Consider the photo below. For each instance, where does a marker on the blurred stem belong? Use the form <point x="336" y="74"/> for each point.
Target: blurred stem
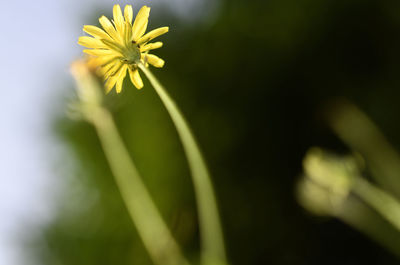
<point x="381" y="201"/>
<point x="213" y="249"/>
<point x="155" y="234"/>
<point x="363" y="136"/>
<point x="360" y="216"/>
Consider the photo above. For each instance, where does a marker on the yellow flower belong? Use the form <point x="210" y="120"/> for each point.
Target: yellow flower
<point x="121" y="46"/>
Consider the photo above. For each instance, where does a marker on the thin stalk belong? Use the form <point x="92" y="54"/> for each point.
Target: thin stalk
<point x="363" y="218"/>
<point x="154" y="232"/>
<point x="357" y="130"/>
<point x="381" y="201"/>
<point x="213" y="249"/>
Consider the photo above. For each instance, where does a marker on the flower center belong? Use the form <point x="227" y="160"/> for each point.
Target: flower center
<point x="132" y="54"/>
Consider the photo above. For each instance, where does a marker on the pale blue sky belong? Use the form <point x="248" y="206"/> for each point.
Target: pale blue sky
<point x="38" y="43"/>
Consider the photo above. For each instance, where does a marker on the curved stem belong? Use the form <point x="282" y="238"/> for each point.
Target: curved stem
<point x="213" y="249"/>
<point x="381" y="201"/>
<point x="154" y="232"/>
<point x="358" y="131"/>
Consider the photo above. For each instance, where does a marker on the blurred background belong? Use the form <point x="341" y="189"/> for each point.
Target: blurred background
<point x="253" y="79"/>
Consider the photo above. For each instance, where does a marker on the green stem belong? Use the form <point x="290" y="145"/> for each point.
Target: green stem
<point x="381" y="201"/>
<point x="357" y="130"/>
<point x="155" y="234"/>
<point x="363" y="218"/>
<point x="213" y="249"/>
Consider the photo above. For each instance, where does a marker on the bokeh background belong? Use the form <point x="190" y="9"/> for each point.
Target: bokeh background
<point x="252" y="77"/>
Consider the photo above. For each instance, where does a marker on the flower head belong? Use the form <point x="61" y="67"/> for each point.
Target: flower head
<point x="121" y="46"/>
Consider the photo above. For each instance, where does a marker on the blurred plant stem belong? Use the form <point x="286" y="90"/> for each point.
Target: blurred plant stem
<point x="361" y="217"/>
<point x="353" y="210"/>
<point x="333" y="185"/>
<point x="378" y="199"/>
<point x="380" y="202"/>
<point x="363" y="136"/>
<point x="213" y="248"/>
<point x="155" y="234"/>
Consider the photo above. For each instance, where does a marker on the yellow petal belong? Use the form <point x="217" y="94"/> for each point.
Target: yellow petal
<point x="128" y="14"/>
<point x="110" y="83"/>
<point x="152" y="34"/>
<point x="91" y="42"/>
<point x="151" y="46"/>
<point x="128" y="33"/>
<point x="108" y="71"/>
<point x="105" y="59"/>
<point x="109" y="28"/>
<point x="105" y="68"/>
<point x="99" y="52"/>
<point x="121" y="77"/>
<point x="112" y="80"/>
<point x="113" y="45"/>
<point x="135" y="78"/>
<point x="118" y="18"/>
<point x="154" y="60"/>
<point x="140" y="24"/>
<point x="96" y="32"/>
